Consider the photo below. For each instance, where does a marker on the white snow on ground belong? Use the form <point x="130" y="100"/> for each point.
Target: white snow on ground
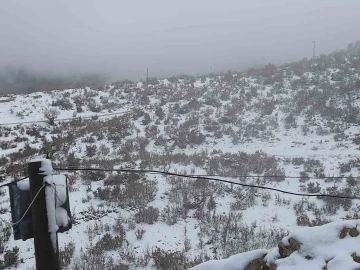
<point x="321" y="243"/>
<point x="271" y="210"/>
<point x="28" y="108"/>
<point x="235" y="262"/>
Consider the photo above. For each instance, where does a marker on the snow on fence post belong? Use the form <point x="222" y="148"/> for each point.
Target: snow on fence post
<point x="43" y="215"/>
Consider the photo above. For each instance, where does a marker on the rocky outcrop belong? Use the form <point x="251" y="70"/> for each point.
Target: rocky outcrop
<point x="286" y="250"/>
<point x="353" y="232"/>
<point x="338" y="241"/>
<point x="256" y="264"/>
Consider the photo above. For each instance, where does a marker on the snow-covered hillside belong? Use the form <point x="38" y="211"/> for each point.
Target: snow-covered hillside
<point x="299" y="119"/>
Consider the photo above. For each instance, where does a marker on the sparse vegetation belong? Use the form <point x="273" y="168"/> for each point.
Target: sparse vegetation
<point x="254" y="127"/>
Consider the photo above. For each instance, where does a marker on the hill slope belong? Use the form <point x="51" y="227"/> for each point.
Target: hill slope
<point x="300" y="119"/>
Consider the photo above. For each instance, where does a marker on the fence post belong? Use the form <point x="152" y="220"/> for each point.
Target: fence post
<point x="46" y="248"/>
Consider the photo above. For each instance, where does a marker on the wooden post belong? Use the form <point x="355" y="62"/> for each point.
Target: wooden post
<point x="46" y="255"/>
<point x="314" y="50"/>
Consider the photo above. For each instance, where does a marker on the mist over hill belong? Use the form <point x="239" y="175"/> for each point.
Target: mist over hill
<point x="17" y="80"/>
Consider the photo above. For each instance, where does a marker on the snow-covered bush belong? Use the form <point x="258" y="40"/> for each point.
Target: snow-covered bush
<point x="139" y="233"/>
<point x="109" y="242"/>
<point x="63" y="103"/>
<point x="313" y="187"/>
<point x="165" y="260"/>
<point x="11" y="259"/>
<point x="89" y="176"/>
<point x="51" y="114"/>
<point x="148" y="215"/>
<point x="171" y="214"/>
<point x="91" y="150"/>
<point x="5" y="233"/>
<point x="66" y="254"/>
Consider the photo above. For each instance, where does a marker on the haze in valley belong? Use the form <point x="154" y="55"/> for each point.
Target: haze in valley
<point x="124" y="38"/>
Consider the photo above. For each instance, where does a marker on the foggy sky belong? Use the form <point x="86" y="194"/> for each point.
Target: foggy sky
<point x="123" y="38"/>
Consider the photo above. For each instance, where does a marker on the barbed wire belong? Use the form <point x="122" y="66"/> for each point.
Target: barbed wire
<point x="218" y="175"/>
<point x="197" y="175"/>
<point x="206" y="178"/>
<point x="12" y="182"/>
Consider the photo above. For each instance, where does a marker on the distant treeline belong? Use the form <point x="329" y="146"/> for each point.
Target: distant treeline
<point x="15" y="80"/>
